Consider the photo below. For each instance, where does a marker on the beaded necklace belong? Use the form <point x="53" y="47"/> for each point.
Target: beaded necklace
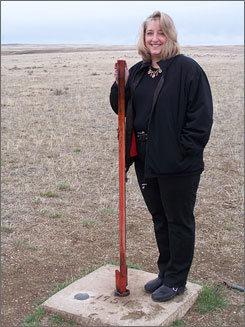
<point x="153" y="72"/>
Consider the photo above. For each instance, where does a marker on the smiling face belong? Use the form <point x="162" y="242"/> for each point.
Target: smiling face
<point x="154" y="40"/>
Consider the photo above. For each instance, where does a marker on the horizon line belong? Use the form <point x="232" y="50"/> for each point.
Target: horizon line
<point x="111" y="45"/>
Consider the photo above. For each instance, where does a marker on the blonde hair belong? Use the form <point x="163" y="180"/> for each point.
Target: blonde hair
<point x="171" y="47"/>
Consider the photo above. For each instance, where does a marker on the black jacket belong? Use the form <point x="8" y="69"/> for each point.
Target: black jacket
<point x="181" y="117"/>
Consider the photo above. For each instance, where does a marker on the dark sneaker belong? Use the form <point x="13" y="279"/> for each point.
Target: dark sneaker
<point x="164" y="293"/>
<point x="153" y="285"/>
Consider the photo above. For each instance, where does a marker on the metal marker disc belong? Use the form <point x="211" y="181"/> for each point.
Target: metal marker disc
<point x="81" y="296"/>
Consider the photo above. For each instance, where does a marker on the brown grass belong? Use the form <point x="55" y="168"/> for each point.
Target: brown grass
<point x="58" y="129"/>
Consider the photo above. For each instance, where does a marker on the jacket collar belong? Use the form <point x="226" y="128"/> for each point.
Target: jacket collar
<point x="144" y="65"/>
<point x="164" y="64"/>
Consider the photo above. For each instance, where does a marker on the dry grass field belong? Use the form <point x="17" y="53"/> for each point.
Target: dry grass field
<point x="60" y="177"/>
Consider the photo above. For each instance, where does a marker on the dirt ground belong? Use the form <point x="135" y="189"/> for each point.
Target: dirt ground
<point x="60" y="177"/>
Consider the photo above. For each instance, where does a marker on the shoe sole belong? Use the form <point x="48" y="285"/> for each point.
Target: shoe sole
<point x="167" y="299"/>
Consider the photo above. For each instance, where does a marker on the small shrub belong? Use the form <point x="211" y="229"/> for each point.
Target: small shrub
<point x="15" y="68"/>
<point x="60" y="92"/>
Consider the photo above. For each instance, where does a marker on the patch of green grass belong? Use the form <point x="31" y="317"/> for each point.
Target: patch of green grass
<point x="33" y="319"/>
<point x="107" y="211"/>
<point x="210" y="299"/>
<point x="63" y="187"/>
<point x="38" y="201"/>
<point x="6" y="229"/>
<point x="178" y="323"/>
<point x="44" y="212"/>
<point x="224" y="242"/>
<point x="26" y="245"/>
<point x="60" y="321"/>
<point x="8" y="215"/>
<point x="77" y="150"/>
<point x="55" y="215"/>
<point x="87" y="222"/>
<point x="53" y="155"/>
<point x="133" y="266"/>
<point x="230" y="228"/>
<point x="49" y="194"/>
<point x="129" y="264"/>
<point x="13" y="161"/>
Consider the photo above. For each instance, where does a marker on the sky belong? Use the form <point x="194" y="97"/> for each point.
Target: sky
<point x="119" y="22"/>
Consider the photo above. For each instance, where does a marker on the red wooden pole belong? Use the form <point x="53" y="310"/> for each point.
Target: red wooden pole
<point x="121" y="276"/>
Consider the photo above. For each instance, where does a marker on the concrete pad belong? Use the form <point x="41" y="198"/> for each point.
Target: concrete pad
<point x="91" y="301"/>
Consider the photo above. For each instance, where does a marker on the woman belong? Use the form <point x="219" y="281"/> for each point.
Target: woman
<point x="169" y="110"/>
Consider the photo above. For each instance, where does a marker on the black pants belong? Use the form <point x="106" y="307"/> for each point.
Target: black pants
<point x="171" y="201"/>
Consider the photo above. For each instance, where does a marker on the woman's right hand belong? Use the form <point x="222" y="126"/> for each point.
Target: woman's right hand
<point x="116" y="72"/>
